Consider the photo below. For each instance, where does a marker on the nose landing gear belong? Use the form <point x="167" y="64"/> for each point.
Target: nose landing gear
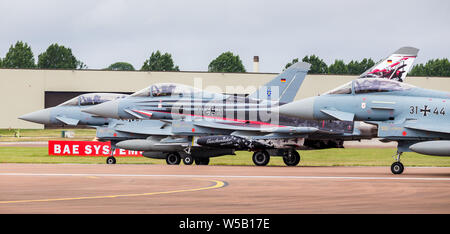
<point x="397" y="167"/>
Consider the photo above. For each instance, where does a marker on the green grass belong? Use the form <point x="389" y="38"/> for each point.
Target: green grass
<point x="327" y="157"/>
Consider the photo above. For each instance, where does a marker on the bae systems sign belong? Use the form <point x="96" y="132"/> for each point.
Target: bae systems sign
<point x="87" y="148"/>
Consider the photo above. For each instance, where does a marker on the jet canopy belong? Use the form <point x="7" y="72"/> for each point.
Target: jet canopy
<point x="370" y="85"/>
<point x="168" y="89"/>
<point x="92" y="99"/>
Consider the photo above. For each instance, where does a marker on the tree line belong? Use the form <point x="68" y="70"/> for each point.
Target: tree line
<point x="60" y="57"/>
<point x="434" y="67"/>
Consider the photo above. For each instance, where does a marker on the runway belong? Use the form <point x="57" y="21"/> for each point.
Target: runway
<point x="163" y="189"/>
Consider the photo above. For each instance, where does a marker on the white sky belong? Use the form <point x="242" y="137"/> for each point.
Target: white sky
<point x="102" y="32"/>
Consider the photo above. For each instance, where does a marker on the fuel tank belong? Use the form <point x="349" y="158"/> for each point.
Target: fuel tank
<point x="436" y="148"/>
<point x="230" y="142"/>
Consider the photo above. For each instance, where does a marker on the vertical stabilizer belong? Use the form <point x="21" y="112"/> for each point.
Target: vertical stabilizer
<point x="284" y="87"/>
<point x="394" y="67"/>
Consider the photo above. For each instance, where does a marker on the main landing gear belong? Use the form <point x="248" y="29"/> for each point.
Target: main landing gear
<point x="175" y="159"/>
<point x="290" y="158"/>
<point x="261" y="158"/>
<point x="397" y="167"/>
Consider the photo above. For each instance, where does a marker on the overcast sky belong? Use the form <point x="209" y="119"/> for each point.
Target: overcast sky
<point x="101" y="32"/>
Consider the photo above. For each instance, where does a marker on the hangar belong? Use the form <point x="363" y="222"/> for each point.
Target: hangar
<point x="26" y="90"/>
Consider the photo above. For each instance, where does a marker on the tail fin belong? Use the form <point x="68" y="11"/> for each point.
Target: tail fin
<point x="395" y="67"/>
<point x="284" y="87"/>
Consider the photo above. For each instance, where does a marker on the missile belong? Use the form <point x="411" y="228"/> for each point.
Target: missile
<point x="148" y="145"/>
<point x="436" y="148"/>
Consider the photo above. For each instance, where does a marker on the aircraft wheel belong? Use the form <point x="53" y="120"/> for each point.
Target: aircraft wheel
<point x="261" y="158"/>
<point x="293" y="159"/>
<point x="202" y="161"/>
<point x="111" y="160"/>
<point x="173" y="159"/>
<point x="397" y="168"/>
<point x="188" y="160"/>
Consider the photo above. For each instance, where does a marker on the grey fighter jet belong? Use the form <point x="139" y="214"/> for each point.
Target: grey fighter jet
<point x="197" y="125"/>
<point x="174" y="140"/>
<point x="69" y="113"/>
<point x="217" y="124"/>
<point x="418" y="119"/>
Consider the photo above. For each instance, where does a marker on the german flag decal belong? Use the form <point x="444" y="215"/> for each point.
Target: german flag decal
<point x="389" y="61"/>
<point x="283" y="80"/>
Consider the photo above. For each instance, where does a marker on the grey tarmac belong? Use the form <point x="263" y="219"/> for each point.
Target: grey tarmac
<point x="165" y="189"/>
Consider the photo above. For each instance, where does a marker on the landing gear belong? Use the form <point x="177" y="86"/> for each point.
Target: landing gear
<point x="397" y="167"/>
<point x="173" y="159"/>
<point x="261" y="158"/>
<point x="188" y="160"/>
<point x="292" y="158"/>
<point x="201" y="161"/>
<point x="110" y="160"/>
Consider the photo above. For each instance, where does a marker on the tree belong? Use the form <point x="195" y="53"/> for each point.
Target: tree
<point x="120" y="66"/>
<point x="366" y="64"/>
<point x="357" y="68"/>
<point x="353" y="68"/>
<point x="338" y="67"/>
<point x="434" y="67"/>
<point x="59" y="57"/>
<point x="19" y="56"/>
<point x="159" y="62"/>
<point x="291" y="63"/>
<point x="318" y="66"/>
<point x="226" y="62"/>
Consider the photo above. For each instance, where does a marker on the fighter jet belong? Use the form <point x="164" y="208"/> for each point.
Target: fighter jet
<point x="162" y="134"/>
<point x="414" y="117"/>
<point x="69" y="112"/>
<point x="196" y="125"/>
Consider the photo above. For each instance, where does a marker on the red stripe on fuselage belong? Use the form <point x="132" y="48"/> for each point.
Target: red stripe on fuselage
<point x="213" y="117"/>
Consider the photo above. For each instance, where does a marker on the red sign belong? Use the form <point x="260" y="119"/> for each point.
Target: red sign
<point x="87" y="148"/>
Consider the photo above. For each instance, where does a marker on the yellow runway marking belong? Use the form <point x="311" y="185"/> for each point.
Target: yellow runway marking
<point x="218" y="184"/>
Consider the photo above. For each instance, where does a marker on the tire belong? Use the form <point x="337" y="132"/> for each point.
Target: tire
<point x="188" y="160"/>
<point x="261" y="158"/>
<point x="397" y="168"/>
<point x="110" y="160"/>
<point x="292" y="160"/>
<point x="205" y="161"/>
<point x="201" y="161"/>
<point x="173" y="159"/>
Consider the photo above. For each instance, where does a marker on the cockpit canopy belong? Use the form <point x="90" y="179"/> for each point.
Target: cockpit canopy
<point x="168" y="89"/>
<point x="92" y="99"/>
<point x="370" y="85"/>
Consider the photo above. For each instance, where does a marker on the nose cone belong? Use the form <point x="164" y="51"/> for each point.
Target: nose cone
<point x="107" y="109"/>
<point x="303" y="109"/>
<point x="40" y="116"/>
